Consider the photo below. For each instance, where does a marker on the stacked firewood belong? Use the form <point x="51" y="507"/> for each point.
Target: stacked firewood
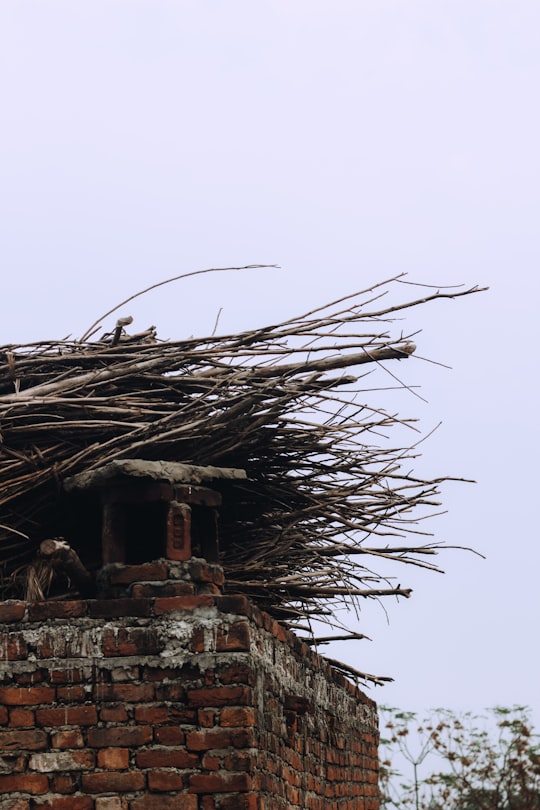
<point x="299" y="405"/>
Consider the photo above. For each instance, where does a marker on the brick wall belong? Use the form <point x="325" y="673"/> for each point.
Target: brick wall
<point x="174" y="699"/>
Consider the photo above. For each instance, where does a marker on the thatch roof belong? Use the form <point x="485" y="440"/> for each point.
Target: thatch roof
<point x="327" y="496"/>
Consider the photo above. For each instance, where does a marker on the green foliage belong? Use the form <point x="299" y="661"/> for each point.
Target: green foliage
<point x="460" y="761"/>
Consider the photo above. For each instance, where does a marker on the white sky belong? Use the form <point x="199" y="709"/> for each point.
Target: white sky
<point x="346" y="142"/>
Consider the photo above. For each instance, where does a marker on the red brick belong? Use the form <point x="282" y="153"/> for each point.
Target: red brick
<point x="28" y="678"/>
<point x="62" y="761"/>
<point x="4" y="715"/>
<point x="133" y="641"/>
<point x="211" y="762"/>
<point x="210" y="587"/>
<point x="215" y="738"/>
<point x="267" y="622"/>
<point x="19" y="696"/>
<point x="297" y="704"/>
<point x="206" y="717"/>
<point x="242" y="802"/>
<point x="235" y="638"/>
<point x="39" y="611"/>
<point x="71" y="738"/>
<point x="34" y="783"/>
<point x="185" y="717"/>
<point x="13" y="647"/>
<point x="148" y="572"/>
<point x="71" y="694"/>
<point x="219" y="782"/>
<point x="67" y="803"/>
<point x="168" y="604"/>
<point x="113" y="714"/>
<point x="52" y="644"/>
<point x="220" y="696"/>
<point x="170" y="735"/>
<point x="281" y="633"/>
<point x="149" y="589"/>
<point x="237" y="673"/>
<point x="177" y="802"/>
<point x="30" y="740"/>
<point x="113" y="782"/>
<point x="116" y="759"/>
<point x="21" y="718"/>
<point x="165" y="781"/>
<point x="12" y="611"/>
<point x="125" y="692"/>
<point x="197" y="643"/>
<point x="242" y="761"/>
<point x="166" y="758"/>
<point x="151" y="714"/>
<point x="114" y="608"/>
<point x="203" y="572"/>
<point x="63" y="783"/>
<point x="119" y="736"/>
<point x="67" y="716"/>
<point x="171" y="691"/>
<point x="67" y="676"/>
<point x="237" y="716"/>
<point x="236" y="604"/>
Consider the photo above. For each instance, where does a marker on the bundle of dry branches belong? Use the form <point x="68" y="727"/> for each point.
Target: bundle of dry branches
<point x="326" y="497"/>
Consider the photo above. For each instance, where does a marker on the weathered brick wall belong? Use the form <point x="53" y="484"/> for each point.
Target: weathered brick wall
<point x="181" y="702"/>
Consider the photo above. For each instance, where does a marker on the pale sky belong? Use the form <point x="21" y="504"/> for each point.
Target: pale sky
<point x="346" y="142"/>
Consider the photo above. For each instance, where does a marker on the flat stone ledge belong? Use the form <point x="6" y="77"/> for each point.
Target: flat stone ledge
<point x="169" y="471"/>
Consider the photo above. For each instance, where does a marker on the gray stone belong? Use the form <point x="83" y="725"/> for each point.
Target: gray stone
<point x="170" y="471"/>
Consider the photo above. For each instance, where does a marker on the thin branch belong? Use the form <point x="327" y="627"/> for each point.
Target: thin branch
<point x="146" y="290"/>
